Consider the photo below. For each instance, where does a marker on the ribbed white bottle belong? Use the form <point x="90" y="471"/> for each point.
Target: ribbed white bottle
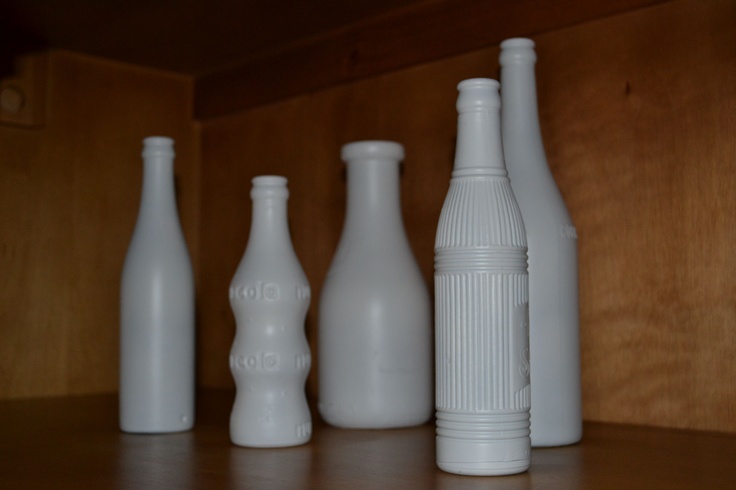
<point x="556" y="413"/>
<point x="375" y="320"/>
<point x="481" y="302"/>
<point x="270" y="357"/>
<point x="157" y="307"/>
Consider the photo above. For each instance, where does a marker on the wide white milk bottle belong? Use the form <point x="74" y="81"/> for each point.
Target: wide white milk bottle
<point x="270" y="357"/>
<point x="481" y="302"/>
<point x="375" y="318"/>
<point x="157" y="307"/>
<point x="556" y="413"/>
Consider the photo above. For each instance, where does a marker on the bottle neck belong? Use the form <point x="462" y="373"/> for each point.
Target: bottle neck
<point x="373" y="194"/>
<point x="269" y="226"/>
<point x="158" y="199"/>
<point x="519" y="106"/>
<point x="478" y="150"/>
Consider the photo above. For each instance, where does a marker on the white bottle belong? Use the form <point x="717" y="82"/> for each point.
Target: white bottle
<point x="375" y="324"/>
<point x="270" y="357"/>
<point x="556" y="413"/>
<point x="481" y="302"/>
<point x="157" y="307"/>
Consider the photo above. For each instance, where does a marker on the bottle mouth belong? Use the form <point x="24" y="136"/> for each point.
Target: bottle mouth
<point x="269" y="186"/>
<point x="158" y="145"/>
<point x="373" y="150"/>
<point x="517" y="50"/>
<point x="517" y="42"/>
<point x="478" y="95"/>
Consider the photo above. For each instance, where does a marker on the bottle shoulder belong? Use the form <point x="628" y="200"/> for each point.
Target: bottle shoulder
<point x="542" y="207"/>
<point x="273" y="264"/>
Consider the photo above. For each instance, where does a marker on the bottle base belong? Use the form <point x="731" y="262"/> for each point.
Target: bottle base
<point x="155" y="429"/>
<point x="482" y="468"/>
<point x="567" y="440"/>
<point x="271" y="435"/>
<point x="143" y="422"/>
<point x="469" y="457"/>
<point x="483" y="443"/>
<point x="268" y="444"/>
<point x="347" y="417"/>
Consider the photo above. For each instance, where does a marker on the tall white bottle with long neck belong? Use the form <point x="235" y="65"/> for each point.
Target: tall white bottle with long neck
<point x="556" y="413"/>
<point x="270" y="357"/>
<point x="375" y="319"/>
<point x="481" y="302"/>
<point x="157" y="307"/>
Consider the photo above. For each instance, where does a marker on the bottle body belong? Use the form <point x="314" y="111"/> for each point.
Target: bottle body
<point x="481" y="303"/>
<point x="375" y="333"/>
<point x="157" y="308"/>
<point x="270" y="357"/>
<point x="556" y="412"/>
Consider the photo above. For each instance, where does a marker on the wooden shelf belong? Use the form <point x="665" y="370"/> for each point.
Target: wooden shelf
<point x="74" y="442"/>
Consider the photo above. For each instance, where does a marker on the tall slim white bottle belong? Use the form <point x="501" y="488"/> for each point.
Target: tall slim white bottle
<point x="556" y="413"/>
<point x="481" y="302"/>
<point x="375" y="319"/>
<point x="270" y="357"/>
<point x="157" y="307"/>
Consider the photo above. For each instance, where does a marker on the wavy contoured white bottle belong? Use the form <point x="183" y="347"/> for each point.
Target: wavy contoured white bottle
<point x="270" y="357"/>
<point x="556" y="412"/>
<point x="481" y="302"/>
<point x="375" y="319"/>
<point x="157" y="307"/>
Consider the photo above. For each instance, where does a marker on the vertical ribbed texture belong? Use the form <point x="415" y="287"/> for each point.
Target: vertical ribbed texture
<point x="479" y="212"/>
<point x="477" y="347"/>
<point x="481" y="303"/>
<point x="481" y="300"/>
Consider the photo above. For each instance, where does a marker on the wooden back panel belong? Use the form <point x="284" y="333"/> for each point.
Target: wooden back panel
<point x="637" y="115"/>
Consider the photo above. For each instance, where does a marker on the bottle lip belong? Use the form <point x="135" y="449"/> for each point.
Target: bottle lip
<point x="269" y="181"/>
<point x="158" y="146"/>
<point x="517" y="42"/>
<point x="517" y="50"/>
<point x="372" y="149"/>
<point x="478" y="95"/>
<point x="478" y="83"/>
<point x="269" y="186"/>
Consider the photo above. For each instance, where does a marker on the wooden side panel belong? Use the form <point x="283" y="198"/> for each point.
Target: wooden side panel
<point x="69" y="195"/>
<point x="638" y="117"/>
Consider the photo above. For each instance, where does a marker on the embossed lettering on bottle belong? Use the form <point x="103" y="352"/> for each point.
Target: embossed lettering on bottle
<point x="270" y="357"/>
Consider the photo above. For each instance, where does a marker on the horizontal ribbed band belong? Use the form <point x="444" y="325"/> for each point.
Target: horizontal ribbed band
<point x="487" y="259"/>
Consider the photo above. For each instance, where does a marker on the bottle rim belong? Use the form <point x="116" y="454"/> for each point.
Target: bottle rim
<point x="372" y="149"/>
<point x="517" y="50"/>
<point x="158" y="146"/>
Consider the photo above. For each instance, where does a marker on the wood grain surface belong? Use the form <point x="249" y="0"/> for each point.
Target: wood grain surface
<point x="416" y="33"/>
<point x="69" y="194"/>
<point x="75" y="443"/>
<point x="637" y="112"/>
